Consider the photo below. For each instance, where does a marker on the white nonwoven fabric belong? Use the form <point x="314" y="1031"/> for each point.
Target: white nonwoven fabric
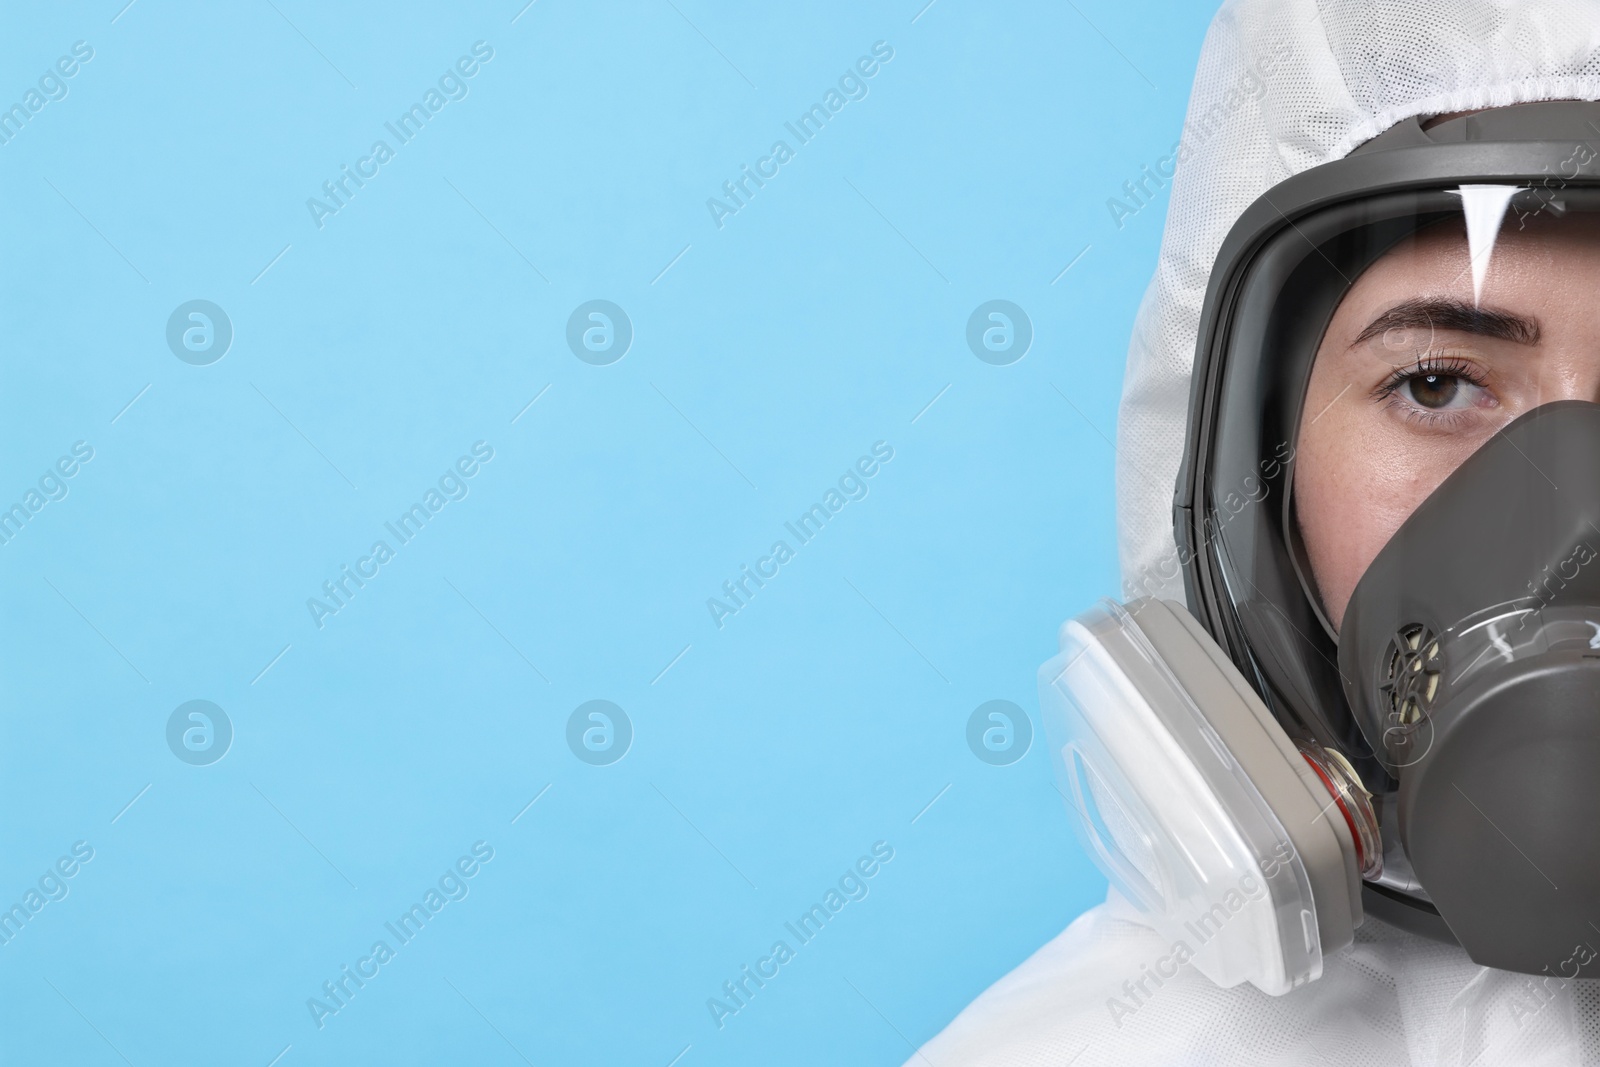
<point x="1282" y="86"/>
<point x="1389" y="999"/>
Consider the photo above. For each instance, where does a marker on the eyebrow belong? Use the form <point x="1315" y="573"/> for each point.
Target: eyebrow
<point x="1450" y="314"/>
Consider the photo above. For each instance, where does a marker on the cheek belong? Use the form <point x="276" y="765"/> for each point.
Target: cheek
<point x="1356" y="482"/>
<point x="1329" y="499"/>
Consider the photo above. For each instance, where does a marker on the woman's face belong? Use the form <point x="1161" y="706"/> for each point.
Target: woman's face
<point x="1412" y="377"/>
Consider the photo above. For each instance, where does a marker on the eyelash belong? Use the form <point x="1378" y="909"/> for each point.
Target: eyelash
<point x="1443" y="366"/>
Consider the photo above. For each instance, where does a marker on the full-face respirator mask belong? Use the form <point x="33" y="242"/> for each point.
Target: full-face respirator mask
<point x="1251" y="780"/>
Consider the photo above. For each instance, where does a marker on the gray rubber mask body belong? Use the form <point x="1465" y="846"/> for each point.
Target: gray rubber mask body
<point x="1470" y="653"/>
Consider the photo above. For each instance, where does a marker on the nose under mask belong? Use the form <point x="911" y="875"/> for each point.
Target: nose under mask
<point x="1470" y="655"/>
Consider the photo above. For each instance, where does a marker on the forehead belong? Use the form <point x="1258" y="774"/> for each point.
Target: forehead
<point x="1546" y="262"/>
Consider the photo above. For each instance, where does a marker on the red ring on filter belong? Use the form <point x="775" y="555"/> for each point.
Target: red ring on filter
<point x="1353" y="801"/>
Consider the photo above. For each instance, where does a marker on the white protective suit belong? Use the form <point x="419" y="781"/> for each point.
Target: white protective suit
<point x="1282" y="86"/>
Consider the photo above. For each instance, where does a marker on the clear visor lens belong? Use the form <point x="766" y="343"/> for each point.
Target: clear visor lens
<point x="1466" y="308"/>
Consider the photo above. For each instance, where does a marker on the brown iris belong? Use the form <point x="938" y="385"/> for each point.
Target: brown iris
<point x="1434" y="390"/>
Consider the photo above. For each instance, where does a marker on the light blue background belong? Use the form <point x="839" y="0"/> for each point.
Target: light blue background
<point x="369" y="355"/>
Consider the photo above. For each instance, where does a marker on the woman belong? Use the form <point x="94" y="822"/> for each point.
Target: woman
<point x="1345" y="791"/>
